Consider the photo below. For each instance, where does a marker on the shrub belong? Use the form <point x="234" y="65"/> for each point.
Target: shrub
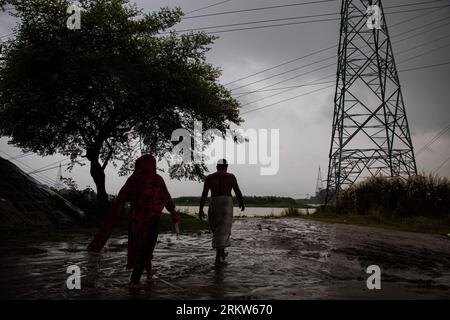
<point x="415" y="196"/>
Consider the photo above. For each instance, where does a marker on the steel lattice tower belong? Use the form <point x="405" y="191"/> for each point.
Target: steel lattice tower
<point x="319" y="182"/>
<point x="370" y="134"/>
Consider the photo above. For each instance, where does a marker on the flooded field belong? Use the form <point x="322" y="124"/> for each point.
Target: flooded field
<point x="269" y="259"/>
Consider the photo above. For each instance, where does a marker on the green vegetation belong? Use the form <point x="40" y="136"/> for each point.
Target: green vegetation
<point x="188" y="225"/>
<point x="96" y="212"/>
<point x="90" y="94"/>
<point x="411" y="224"/>
<point x="293" y="212"/>
<point x="416" y="196"/>
<point x="418" y="204"/>
<point x="251" y="201"/>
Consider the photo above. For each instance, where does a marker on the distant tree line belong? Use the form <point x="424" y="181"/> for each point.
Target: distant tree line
<point x="256" y="201"/>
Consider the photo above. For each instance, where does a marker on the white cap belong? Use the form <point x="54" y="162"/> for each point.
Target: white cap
<point x="222" y="162"/>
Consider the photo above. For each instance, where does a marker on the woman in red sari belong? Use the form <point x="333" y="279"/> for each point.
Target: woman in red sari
<point x="148" y="195"/>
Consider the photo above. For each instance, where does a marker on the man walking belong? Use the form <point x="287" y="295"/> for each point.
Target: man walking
<point x="220" y="210"/>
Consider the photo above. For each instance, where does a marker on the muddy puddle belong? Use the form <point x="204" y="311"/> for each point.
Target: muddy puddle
<point x="269" y="259"/>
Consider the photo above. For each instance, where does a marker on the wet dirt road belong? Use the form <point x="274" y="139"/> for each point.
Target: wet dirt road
<point x="269" y="259"/>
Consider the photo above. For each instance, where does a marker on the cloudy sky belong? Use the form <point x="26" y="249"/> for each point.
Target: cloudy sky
<point x="304" y="122"/>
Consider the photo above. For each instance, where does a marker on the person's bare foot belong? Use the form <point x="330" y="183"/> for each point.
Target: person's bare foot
<point x="150" y="274"/>
<point x="137" y="286"/>
<point x="224" y="255"/>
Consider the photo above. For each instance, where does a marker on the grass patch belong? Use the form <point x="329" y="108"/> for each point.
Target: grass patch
<point x="293" y="212"/>
<point x="413" y="197"/>
<point x="410" y="224"/>
<point x="416" y="204"/>
<point x="278" y="205"/>
<point x="188" y="225"/>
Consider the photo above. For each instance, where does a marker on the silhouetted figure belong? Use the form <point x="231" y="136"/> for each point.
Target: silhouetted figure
<point x="148" y="195"/>
<point x="220" y="210"/>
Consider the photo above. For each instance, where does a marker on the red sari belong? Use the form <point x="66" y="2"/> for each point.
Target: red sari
<point x="148" y="195"/>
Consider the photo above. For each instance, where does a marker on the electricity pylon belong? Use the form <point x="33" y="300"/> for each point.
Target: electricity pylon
<point x="59" y="184"/>
<point x="370" y="135"/>
<point x="319" y="182"/>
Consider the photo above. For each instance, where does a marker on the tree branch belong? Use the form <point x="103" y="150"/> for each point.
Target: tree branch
<point x="108" y="157"/>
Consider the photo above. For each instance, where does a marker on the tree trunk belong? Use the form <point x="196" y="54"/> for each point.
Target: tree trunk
<point x="98" y="174"/>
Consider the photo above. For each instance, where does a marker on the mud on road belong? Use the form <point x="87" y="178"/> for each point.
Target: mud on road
<point x="269" y="259"/>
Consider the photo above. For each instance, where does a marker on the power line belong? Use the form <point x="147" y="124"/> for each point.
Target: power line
<point x="294" y="5"/>
<point x="7" y="35"/>
<point x="46" y="166"/>
<point x="290" y="87"/>
<point x="423" y="44"/>
<point x="317" y="61"/>
<point x="298" y="96"/>
<point x="425" y="53"/>
<point x="301" y="95"/>
<point x="293" y="60"/>
<point x="426" y="25"/>
<point x="287" y="24"/>
<point x="287" y="90"/>
<point x="260" y="8"/>
<point x="23" y="155"/>
<point x="203" y="8"/>
<point x="434" y="28"/>
<point x="426" y="67"/>
<point x="413" y="18"/>
<point x="282" y="19"/>
<point x="51" y="168"/>
<point x="433" y="140"/>
<point x="329" y="65"/>
<point x="285" y="100"/>
<point x="256" y="27"/>
<point x="335" y="46"/>
<point x="264" y="21"/>
<point x="280" y="65"/>
<point x="307" y="93"/>
<point x="43" y="177"/>
<point x="407" y="50"/>
<point x="440" y="167"/>
<point x="297" y="23"/>
<point x="295" y="77"/>
<point x="271" y="7"/>
<point x="334" y="56"/>
<point x="412" y="4"/>
<point x="283" y="73"/>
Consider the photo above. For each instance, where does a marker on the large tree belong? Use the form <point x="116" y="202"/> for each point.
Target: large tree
<point x="3" y="3"/>
<point x="94" y="92"/>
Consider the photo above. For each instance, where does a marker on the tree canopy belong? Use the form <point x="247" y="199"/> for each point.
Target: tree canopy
<point x="94" y="93"/>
